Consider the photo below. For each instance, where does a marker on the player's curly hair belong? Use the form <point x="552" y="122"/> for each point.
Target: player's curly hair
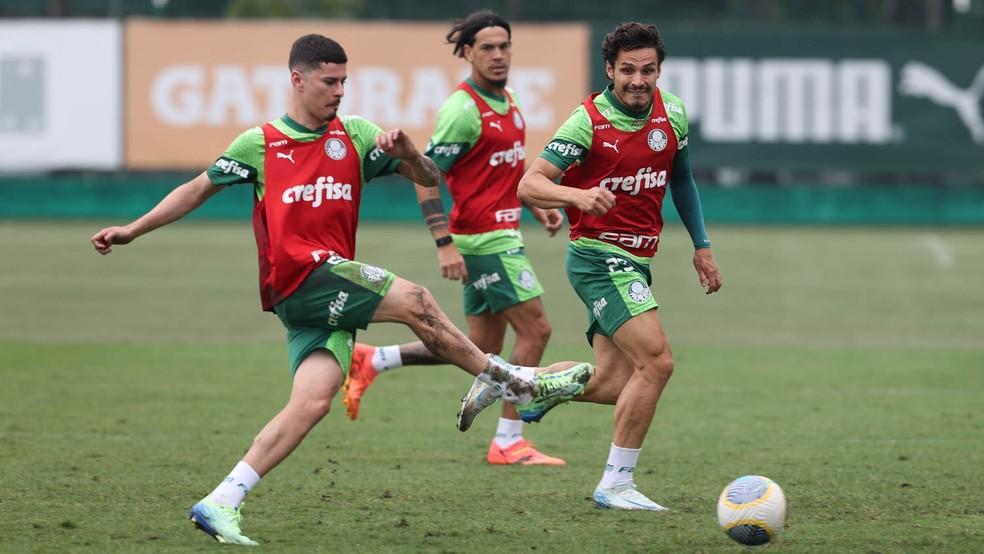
<point x="464" y="30"/>
<point x="310" y="51"/>
<point x="630" y="36"/>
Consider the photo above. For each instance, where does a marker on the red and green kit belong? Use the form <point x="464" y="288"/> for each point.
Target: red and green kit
<point x="483" y="180"/>
<point x="636" y="167"/>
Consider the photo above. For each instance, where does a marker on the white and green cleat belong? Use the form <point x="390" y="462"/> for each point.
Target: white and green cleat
<point x="553" y="389"/>
<point x="221" y="522"/>
<point x="625" y="497"/>
<point x="479" y="397"/>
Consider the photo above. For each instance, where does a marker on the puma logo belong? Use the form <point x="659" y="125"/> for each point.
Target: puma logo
<point x="496" y="124"/>
<point x="612" y="146"/>
<point x="287" y="156"/>
<point x="921" y="80"/>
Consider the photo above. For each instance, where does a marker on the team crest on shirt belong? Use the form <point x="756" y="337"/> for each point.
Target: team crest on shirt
<point x="639" y="292"/>
<point x="517" y="120"/>
<point x="657" y="140"/>
<point x="373" y="274"/>
<point x="527" y="280"/>
<point x="336" y="150"/>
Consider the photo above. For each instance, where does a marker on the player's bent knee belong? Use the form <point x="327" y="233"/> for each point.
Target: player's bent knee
<point x="313" y="409"/>
<point x="659" y="368"/>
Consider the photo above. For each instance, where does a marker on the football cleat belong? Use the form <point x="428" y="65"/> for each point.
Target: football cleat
<point x="520" y="452"/>
<point x="361" y="375"/>
<point x="553" y="389"/>
<point x="625" y="497"/>
<point x="479" y="397"/>
<point x="221" y="522"/>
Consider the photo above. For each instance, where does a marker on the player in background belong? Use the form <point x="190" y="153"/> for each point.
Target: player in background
<point x="616" y="155"/>
<point x="479" y="145"/>
<point x="307" y="170"/>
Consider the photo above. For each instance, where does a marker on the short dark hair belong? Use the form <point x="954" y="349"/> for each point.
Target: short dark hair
<point x="630" y="36"/>
<point x="464" y="30"/>
<point x="310" y="51"/>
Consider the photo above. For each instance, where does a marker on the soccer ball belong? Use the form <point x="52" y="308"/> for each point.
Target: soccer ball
<point x="752" y="510"/>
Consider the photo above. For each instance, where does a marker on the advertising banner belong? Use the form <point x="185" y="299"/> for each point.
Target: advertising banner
<point x="876" y="101"/>
<point x="60" y="104"/>
<point x="192" y="87"/>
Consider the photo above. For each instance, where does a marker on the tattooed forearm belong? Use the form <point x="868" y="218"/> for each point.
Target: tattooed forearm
<point x="433" y="210"/>
<point x="424" y="171"/>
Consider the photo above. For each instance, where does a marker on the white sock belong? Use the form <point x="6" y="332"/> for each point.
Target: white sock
<point x="386" y="357"/>
<point x="234" y="488"/>
<point x="509" y="432"/>
<point x="513" y="373"/>
<point x="620" y="467"/>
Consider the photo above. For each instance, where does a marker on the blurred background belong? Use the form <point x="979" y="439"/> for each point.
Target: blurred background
<point x="865" y="111"/>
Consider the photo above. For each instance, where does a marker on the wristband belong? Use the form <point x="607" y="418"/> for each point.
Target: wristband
<point x="444" y="241"/>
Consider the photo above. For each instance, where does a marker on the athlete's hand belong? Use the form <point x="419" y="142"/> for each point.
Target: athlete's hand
<point x="707" y="270"/>
<point x="104" y="240"/>
<point x="452" y="263"/>
<point x="595" y="201"/>
<point x="551" y="219"/>
<point x="396" y="144"/>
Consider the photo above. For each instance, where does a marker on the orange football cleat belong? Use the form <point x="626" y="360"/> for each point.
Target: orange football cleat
<point x="361" y="375"/>
<point x="521" y="452"/>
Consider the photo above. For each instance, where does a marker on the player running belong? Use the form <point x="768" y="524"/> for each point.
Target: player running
<point x="616" y="155"/>
<point x="479" y="144"/>
<point x="307" y="169"/>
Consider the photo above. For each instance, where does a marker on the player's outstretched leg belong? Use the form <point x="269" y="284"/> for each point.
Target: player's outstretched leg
<point x="555" y="384"/>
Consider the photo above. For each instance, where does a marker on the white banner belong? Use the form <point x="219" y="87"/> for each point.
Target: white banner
<point x="60" y="95"/>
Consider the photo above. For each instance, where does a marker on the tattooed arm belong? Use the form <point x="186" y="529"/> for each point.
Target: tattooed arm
<point x="450" y="260"/>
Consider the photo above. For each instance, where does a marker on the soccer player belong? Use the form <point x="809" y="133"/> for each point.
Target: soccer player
<point x="479" y="144"/>
<point x="616" y="155"/>
<point x="307" y="170"/>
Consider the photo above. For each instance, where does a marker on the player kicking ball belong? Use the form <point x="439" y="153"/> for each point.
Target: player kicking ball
<point x="307" y="170"/>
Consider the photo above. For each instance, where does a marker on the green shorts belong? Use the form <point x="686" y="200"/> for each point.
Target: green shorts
<point x="614" y="287"/>
<point x="331" y="303"/>
<point x="497" y="281"/>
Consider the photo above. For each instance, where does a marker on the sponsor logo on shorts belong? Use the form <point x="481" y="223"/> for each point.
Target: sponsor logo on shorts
<point x="599" y="306"/>
<point x="336" y="307"/>
<point x="373" y="274"/>
<point x="527" y="280"/>
<point x="639" y="292"/>
<point x="486" y="279"/>
<point x="335" y="149"/>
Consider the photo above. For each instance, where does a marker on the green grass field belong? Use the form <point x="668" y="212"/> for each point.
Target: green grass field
<point x="847" y="364"/>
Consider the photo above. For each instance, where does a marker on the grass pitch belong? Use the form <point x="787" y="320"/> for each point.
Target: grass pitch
<point x="846" y="364"/>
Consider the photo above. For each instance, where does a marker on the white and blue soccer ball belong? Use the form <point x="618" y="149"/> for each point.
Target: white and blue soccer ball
<point x="752" y="510"/>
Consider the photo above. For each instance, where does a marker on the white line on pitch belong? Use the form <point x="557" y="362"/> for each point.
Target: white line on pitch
<point x="938" y="248"/>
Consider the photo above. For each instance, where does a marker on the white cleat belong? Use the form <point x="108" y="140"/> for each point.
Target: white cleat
<point x="479" y="397"/>
<point x="625" y="497"/>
